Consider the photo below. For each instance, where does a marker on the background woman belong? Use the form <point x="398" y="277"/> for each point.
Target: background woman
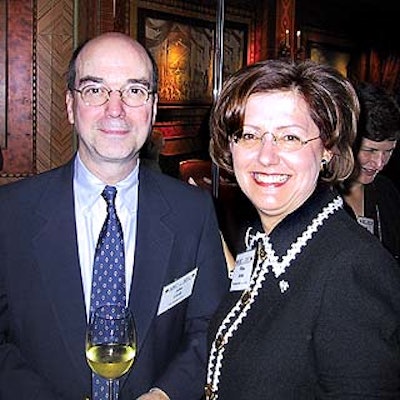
<point x="373" y="198"/>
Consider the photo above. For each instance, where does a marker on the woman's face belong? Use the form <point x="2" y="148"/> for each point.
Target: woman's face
<point x="372" y="157"/>
<point x="277" y="181"/>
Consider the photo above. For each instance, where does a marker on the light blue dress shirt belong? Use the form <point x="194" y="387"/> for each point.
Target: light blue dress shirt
<point x="90" y="213"/>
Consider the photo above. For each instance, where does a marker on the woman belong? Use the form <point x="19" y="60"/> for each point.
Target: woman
<point x="371" y="197"/>
<point x="314" y="308"/>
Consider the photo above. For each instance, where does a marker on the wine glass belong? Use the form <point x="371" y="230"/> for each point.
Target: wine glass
<point x="110" y="343"/>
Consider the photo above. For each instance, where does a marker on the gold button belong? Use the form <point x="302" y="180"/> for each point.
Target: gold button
<point x="219" y="342"/>
<point x="209" y="392"/>
<point x="262" y="254"/>
<point x="245" y="297"/>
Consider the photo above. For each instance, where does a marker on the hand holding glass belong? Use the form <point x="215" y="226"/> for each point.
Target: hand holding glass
<point x="110" y="343"/>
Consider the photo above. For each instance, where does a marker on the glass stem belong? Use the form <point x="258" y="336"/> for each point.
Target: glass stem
<point x="110" y="389"/>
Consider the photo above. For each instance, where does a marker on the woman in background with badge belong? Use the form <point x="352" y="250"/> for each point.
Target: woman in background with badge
<point x="314" y="308"/>
<point x="372" y="197"/>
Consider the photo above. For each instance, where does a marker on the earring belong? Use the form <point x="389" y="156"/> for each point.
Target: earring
<point x="324" y="165"/>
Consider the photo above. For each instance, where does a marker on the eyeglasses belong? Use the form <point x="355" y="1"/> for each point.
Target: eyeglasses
<point x="134" y="95"/>
<point x="286" y="139"/>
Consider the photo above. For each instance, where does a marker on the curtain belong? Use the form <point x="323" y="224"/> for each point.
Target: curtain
<point x="385" y="70"/>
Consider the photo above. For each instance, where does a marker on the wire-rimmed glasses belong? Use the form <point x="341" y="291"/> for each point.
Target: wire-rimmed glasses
<point x="286" y="139"/>
<point x="134" y="95"/>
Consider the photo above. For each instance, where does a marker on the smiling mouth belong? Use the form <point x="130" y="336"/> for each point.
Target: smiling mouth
<point x="271" y="178"/>
<point x="113" y="127"/>
<point x="114" y="130"/>
<point x="370" y="171"/>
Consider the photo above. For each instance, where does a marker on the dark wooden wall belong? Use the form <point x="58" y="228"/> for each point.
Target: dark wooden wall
<point x="16" y="131"/>
<point x="36" y="39"/>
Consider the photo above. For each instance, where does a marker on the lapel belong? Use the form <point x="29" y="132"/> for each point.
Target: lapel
<point x="155" y="236"/>
<point x="55" y="247"/>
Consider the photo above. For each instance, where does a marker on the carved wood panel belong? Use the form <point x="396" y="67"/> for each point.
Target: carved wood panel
<point x="53" y="47"/>
<point x="37" y="46"/>
<point x="18" y="138"/>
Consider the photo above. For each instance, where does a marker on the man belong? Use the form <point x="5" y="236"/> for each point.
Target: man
<point x="48" y="233"/>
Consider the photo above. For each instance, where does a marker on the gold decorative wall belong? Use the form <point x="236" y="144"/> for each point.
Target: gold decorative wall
<point x="180" y="34"/>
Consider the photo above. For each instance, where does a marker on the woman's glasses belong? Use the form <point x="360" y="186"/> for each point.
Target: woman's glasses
<point x="285" y="139"/>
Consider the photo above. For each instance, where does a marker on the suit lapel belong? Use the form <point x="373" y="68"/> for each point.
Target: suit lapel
<point x="153" y="248"/>
<point x="57" y="254"/>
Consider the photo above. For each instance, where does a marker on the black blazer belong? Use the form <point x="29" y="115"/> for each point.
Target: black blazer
<point x="382" y="204"/>
<point x="333" y="334"/>
<point x="42" y="311"/>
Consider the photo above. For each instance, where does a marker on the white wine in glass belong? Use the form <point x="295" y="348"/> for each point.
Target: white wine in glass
<point x="111" y="343"/>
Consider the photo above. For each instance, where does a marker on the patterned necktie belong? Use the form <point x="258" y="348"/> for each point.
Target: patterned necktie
<point x="108" y="280"/>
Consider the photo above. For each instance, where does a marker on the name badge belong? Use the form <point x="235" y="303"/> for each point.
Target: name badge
<point x="243" y="269"/>
<point x="177" y="291"/>
<point x="367" y="223"/>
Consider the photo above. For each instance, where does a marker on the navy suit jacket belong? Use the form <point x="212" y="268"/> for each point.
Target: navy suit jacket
<point x="42" y="311"/>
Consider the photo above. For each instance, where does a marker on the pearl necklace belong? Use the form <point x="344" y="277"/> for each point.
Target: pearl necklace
<point x="266" y="258"/>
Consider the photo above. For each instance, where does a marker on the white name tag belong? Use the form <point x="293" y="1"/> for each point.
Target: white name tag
<point x="177" y="291"/>
<point x="367" y="223"/>
<point x="243" y="268"/>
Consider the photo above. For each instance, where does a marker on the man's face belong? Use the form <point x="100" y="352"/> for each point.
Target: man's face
<point x="372" y="157"/>
<point x="112" y="133"/>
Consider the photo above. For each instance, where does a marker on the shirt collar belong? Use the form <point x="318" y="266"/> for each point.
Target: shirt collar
<point x="89" y="187"/>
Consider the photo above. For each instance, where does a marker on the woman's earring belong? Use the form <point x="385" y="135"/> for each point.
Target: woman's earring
<point x="325" y="170"/>
<point x="324" y="166"/>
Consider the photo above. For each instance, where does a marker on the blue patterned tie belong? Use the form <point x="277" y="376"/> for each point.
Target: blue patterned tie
<point x="108" y="280"/>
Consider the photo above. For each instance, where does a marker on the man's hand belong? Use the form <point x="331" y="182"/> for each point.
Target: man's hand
<point x="154" y="394"/>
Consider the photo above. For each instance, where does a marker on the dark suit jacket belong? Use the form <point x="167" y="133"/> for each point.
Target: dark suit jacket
<point x="42" y="312"/>
<point x="382" y="205"/>
<point x="383" y="194"/>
